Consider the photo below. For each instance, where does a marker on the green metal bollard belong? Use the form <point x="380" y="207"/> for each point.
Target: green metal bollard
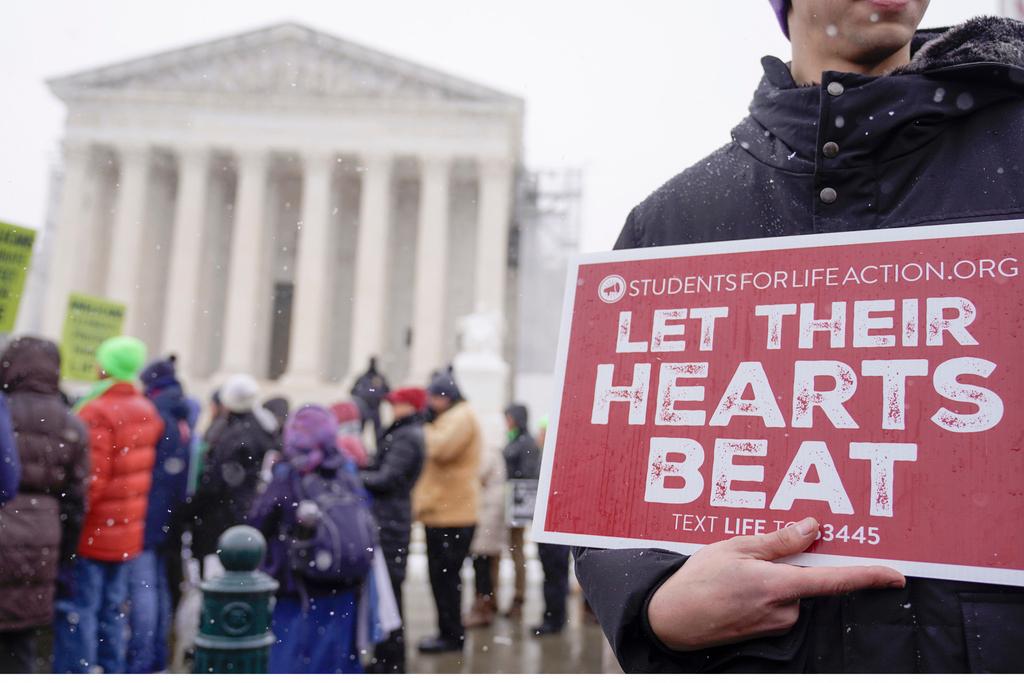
<point x="234" y="631"/>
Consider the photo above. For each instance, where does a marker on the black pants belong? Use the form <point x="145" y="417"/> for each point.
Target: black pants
<point x="17" y="651"/>
<point x="390" y="654"/>
<point x="171" y="557"/>
<point x="447" y="548"/>
<point x="555" y="561"/>
<point x="378" y="428"/>
<point x="484" y="571"/>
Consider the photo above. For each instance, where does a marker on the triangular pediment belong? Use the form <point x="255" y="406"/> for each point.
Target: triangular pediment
<point x="280" y="61"/>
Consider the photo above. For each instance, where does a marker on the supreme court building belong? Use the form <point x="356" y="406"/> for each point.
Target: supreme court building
<point x="287" y="204"/>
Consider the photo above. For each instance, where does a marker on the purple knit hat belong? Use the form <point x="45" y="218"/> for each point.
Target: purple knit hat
<point x="308" y="435"/>
<point x="781" y="8"/>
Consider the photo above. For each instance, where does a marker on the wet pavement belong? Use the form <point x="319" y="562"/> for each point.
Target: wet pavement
<point x="505" y="646"/>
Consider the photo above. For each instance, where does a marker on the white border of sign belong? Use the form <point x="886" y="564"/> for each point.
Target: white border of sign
<point x="935" y="570"/>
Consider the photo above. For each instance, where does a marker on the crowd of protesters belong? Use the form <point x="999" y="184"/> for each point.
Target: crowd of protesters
<point x="112" y="506"/>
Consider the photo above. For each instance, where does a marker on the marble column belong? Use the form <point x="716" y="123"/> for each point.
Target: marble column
<point x="310" y="311"/>
<point x="70" y="237"/>
<point x="431" y="275"/>
<point x="182" y="298"/>
<point x="494" y="206"/>
<point x="480" y="364"/>
<point x="370" y="295"/>
<point x="246" y="268"/>
<point x="128" y="232"/>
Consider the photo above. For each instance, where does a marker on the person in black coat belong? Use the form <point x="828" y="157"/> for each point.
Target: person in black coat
<point x="522" y="461"/>
<point x="522" y="458"/>
<point x="522" y="455"/>
<point x="231" y="471"/>
<point x="369" y="390"/>
<point x="908" y="129"/>
<point x="279" y="407"/>
<point x="390" y="481"/>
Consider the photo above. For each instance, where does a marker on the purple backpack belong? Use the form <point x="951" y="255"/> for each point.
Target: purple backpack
<point x="337" y="548"/>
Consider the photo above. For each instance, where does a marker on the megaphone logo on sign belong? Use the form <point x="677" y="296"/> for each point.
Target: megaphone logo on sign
<point x="611" y="289"/>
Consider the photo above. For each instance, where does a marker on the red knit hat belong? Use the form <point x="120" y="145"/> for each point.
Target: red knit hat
<point x="414" y="396"/>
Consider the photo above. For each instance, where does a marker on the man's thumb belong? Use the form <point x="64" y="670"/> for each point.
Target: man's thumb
<point x="787" y="541"/>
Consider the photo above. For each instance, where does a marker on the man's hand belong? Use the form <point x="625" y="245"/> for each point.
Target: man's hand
<point x="732" y="591"/>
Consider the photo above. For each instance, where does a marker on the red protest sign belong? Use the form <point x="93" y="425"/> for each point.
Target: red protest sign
<point x="873" y="380"/>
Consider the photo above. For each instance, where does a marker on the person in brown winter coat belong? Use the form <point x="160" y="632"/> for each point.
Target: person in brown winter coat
<point x="39" y="528"/>
<point x="445" y="501"/>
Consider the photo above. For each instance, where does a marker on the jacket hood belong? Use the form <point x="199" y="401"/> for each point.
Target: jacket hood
<point x="171" y="401"/>
<point x="329" y="462"/>
<point x="520" y="416"/>
<point x="415" y="418"/>
<point x="258" y="416"/>
<point x="30" y="364"/>
<point x="279" y="408"/>
<point x="995" y="40"/>
<point x="160" y="374"/>
<point x="953" y="73"/>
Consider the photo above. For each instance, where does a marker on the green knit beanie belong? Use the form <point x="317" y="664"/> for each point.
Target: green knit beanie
<point x="122" y="357"/>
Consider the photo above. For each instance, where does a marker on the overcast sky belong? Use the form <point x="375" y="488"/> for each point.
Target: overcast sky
<point x="631" y="91"/>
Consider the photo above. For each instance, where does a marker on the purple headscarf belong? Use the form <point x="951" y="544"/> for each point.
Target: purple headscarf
<point x="781" y="8"/>
<point x="309" y="435"/>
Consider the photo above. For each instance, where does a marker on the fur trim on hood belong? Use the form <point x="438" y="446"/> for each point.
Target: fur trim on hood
<point x="982" y="39"/>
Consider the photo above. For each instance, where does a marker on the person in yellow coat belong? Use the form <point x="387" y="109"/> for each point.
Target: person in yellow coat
<point x="445" y="501"/>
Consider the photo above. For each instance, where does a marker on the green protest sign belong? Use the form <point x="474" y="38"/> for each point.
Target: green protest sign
<point x="90" y="321"/>
<point x="15" y="256"/>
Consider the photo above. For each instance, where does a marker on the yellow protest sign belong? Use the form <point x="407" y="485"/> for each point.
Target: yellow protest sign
<point x="89" y="322"/>
<point x="15" y="256"/>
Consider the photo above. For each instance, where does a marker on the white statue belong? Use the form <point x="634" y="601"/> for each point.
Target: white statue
<point x="482" y="372"/>
<point x="480" y="333"/>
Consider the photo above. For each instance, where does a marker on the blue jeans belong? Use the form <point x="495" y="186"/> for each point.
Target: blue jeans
<point x="150" y="617"/>
<point x="89" y="629"/>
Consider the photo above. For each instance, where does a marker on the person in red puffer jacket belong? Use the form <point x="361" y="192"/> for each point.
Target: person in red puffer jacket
<point x="124" y="428"/>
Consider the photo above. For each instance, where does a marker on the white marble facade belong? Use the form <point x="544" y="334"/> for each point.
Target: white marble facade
<point x="207" y="186"/>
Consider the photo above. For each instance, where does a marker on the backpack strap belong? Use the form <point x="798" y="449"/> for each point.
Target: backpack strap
<point x="298" y="485"/>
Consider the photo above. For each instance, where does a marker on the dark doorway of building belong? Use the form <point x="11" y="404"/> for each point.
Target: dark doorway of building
<point x="280" y="331"/>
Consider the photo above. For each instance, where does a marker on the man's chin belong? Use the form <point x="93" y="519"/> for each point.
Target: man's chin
<point x="876" y="42"/>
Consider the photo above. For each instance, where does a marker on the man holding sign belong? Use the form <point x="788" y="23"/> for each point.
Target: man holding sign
<point x="831" y="395"/>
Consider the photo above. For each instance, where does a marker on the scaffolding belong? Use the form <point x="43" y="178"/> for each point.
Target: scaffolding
<point x="547" y="233"/>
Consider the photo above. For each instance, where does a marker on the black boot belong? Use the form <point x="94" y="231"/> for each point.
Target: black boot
<point x="437" y="644"/>
<point x="546" y="629"/>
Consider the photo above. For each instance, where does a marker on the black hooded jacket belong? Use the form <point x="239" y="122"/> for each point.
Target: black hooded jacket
<point x="371" y="387"/>
<point x="170" y="469"/>
<point x="227" y="487"/>
<point x="390" y="481"/>
<point x="522" y="455"/>
<point x="939" y="141"/>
